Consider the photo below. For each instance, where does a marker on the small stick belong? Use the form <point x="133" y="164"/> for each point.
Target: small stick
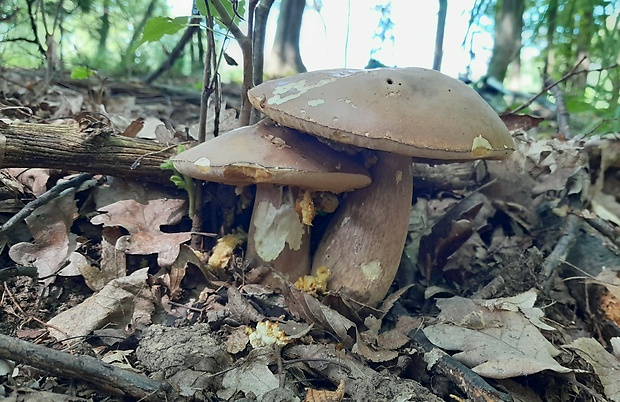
<point x="86" y="368"/>
<point x="476" y="388"/>
<point x="46" y="197"/>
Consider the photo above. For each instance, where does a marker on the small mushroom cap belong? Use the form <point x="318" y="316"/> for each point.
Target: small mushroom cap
<point x="410" y="111"/>
<point x="267" y="153"/>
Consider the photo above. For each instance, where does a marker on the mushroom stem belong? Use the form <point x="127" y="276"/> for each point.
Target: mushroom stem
<point x="276" y="236"/>
<point x="363" y="244"/>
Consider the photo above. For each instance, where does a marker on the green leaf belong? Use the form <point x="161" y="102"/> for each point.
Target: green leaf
<point x="82" y="73"/>
<point x="578" y="105"/>
<point x="157" y="27"/>
<point x="179" y="182"/>
<point x="228" y="5"/>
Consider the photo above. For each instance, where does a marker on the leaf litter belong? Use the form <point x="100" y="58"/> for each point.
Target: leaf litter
<point x="180" y="320"/>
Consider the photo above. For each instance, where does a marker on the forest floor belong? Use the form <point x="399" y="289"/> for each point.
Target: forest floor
<point x="508" y="288"/>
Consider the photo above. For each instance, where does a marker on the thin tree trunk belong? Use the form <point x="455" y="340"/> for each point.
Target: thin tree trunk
<point x="285" y="56"/>
<point x="104" y="30"/>
<point x="508" y="28"/>
<point x="130" y="51"/>
<point x="584" y="41"/>
<point x="551" y="17"/>
<point x="441" y="28"/>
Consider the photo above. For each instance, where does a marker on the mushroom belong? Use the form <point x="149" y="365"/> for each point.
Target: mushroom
<point x="402" y="113"/>
<point x="282" y="162"/>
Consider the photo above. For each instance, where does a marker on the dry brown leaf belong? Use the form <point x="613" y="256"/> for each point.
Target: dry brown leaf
<point x="114" y="304"/>
<point x="313" y="311"/>
<point x="240" y="308"/>
<point x="251" y="376"/>
<point x="496" y="338"/>
<point x="378" y="347"/>
<point x="53" y="243"/>
<point x="238" y="340"/>
<point x="606" y="366"/>
<point x="177" y="271"/>
<point x="315" y="395"/>
<point x="609" y="301"/>
<point x="142" y="214"/>
<point x="371" y="352"/>
<point x="134" y="128"/>
<point x="33" y="179"/>
<point x="113" y="263"/>
<point x="522" y="122"/>
<point x="149" y="128"/>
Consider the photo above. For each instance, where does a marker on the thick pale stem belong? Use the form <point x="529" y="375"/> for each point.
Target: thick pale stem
<point x="363" y="243"/>
<point x="276" y="236"/>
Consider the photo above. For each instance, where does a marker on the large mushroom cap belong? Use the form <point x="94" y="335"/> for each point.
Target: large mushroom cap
<point x="266" y="153"/>
<point x="410" y="111"/>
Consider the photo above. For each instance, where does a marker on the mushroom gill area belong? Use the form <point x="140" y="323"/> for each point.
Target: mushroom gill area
<point x="237" y="173"/>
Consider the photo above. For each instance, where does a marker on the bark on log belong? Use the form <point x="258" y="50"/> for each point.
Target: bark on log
<point x="67" y="147"/>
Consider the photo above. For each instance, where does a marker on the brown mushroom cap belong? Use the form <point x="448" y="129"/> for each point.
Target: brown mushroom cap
<point x="411" y="111"/>
<point x="267" y="153"/>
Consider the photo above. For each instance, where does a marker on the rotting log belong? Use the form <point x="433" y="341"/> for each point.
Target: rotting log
<point x="68" y="147"/>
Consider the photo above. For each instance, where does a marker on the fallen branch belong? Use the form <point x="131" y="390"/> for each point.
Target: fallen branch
<point x="67" y="147"/>
<point x="476" y="388"/>
<point x="86" y="368"/>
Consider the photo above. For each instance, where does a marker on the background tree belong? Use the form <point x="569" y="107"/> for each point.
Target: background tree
<point x="441" y="28"/>
<point x="507" y="44"/>
<point x="285" y="57"/>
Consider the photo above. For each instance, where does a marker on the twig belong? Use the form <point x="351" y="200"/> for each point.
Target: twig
<point x="245" y="43"/>
<point x="258" y="54"/>
<point x="46" y="197"/>
<point x="563" y="246"/>
<point x="476" y="388"/>
<point x="69" y="147"/>
<point x="18" y="270"/>
<point x="606" y="228"/>
<point x="572" y="72"/>
<point x="86" y="368"/>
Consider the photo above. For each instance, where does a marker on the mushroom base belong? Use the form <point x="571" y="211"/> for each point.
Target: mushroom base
<point x="277" y="237"/>
<point x="363" y="243"/>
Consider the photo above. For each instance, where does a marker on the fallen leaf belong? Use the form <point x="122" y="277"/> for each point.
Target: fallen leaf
<point x="53" y="246"/>
<point x="115" y="303"/>
<point x="495" y="337"/>
<point x="113" y="263"/>
<point x="142" y="214"/>
<point x="251" y="376"/>
<point x="238" y="340"/>
<point x="313" y="311"/>
<point x="606" y="366"/>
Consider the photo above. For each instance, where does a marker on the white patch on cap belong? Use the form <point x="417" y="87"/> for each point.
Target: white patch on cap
<point x="480" y="146"/>
<point x="316" y="102"/>
<point x="203" y="164"/>
<point x="294" y="90"/>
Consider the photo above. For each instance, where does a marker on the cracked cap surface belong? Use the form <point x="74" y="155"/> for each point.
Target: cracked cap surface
<point x="411" y="111"/>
